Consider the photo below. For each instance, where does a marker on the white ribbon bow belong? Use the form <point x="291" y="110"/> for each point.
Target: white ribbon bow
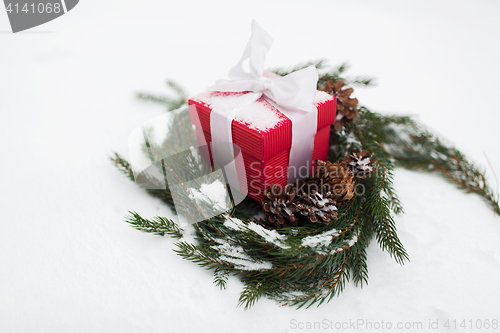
<point x="293" y="95"/>
<point x="295" y="91"/>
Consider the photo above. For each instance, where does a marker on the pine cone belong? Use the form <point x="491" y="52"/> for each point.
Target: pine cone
<point x="334" y="180"/>
<point x="291" y="206"/>
<point x="360" y="164"/>
<point x="346" y="105"/>
<point x="315" y="201"/>
<point x="315" y="208"/>
<point x="278" y="207"/>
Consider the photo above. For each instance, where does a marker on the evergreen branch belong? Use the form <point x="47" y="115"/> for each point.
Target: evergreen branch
<point x="204" y="256"/>
<point x="123" y="166"/>
<point x="458" y="170"/>
<point x="158" y="225"/>
<point x="339" y="73"/>
<point x="359" y="267"/>
<point x="358" y="262"/>
<point x="332" y="287"/>
<point x="379" y="192"/>
<point x="388" y="240"/>
<point x="325" y="73"/>
<point x="282" y="71"/>
<point x="379" y="208"/>
<point x="151" y="185"/>
<point x="336" y="284"/>
<point x="220" y="277"/>
<point x="416" y="148"/>
<point x="172" y="103"/>
<point x="252" y="293"/>
<point x="154" y="98"/>
<point x="363" y="81"/>
<point x="181" y="93"/>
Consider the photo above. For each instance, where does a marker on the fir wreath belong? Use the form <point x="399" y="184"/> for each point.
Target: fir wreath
<point x="301" y="262"/>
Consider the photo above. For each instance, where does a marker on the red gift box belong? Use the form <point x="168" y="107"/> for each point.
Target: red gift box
<point x="264" y="136"/>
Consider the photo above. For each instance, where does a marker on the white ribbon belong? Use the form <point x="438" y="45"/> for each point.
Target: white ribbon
<point x="293" y="95"/>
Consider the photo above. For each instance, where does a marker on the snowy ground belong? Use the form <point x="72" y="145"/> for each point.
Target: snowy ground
<point x="68" y="262"/>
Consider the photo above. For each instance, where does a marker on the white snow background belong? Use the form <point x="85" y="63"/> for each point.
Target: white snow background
<point x="68" y="262"/>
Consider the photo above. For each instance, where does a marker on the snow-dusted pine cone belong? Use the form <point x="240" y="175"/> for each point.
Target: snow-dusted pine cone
<point x="360" y="164"/>
<point x="278" y="208"/>
<point x="334" y="181"/>
<point x="315" y="208"/>
<point x="290" y="206"/>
